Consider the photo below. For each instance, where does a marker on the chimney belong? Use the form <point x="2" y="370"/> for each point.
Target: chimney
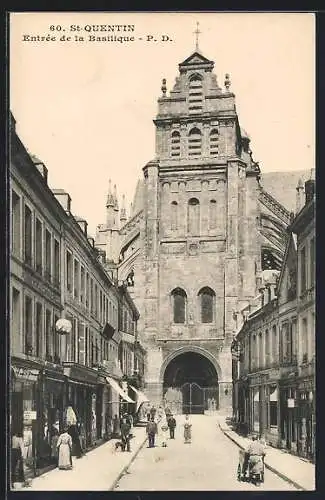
<point x="299" y="195"/>
<point x="83" y="224"/>
<point x="91" y="241"/>
<point x="309" y="190"/>
<point x="63" y="198"/>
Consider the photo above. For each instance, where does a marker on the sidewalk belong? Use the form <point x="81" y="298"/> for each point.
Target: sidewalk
<point x="98" y="470"/>
<point x="289" y="467"/>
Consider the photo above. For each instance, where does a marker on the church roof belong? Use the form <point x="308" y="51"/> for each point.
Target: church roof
<point x="282" y="186"/>
<point x="196" y="58"/>
<point x="138" y="200"/>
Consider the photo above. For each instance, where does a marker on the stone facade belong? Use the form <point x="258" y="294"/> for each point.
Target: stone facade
<point x="198" y="226"/>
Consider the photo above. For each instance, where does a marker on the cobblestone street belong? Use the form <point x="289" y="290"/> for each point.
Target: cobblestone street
<point x="208" y="463"/>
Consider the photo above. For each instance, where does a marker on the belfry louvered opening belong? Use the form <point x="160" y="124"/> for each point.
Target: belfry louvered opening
<point x="175" y="143"/>
<point x="194" y="142"/>
<point x="195" y="95"/>
<point x="214" y="142"/>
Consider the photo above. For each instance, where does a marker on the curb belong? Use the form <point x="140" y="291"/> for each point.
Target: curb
<point x="125" y="468"/>
<point x="275" y="471"/>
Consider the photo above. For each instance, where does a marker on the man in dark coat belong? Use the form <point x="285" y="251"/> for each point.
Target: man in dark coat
<point x="171" y="424"/>
<point x="125" y="435"/>
<point x="152" y="430"/>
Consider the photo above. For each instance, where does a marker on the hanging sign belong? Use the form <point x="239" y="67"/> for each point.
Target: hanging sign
<point x="30" y="415"/>
<point x="25" y="373"/>
<point x="291" y="403"/>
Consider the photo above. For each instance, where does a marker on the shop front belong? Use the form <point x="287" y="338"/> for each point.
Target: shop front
<point x="25" y="410"/>
<point x="306" y="419"/>
<point x="288" y="416"/>
<point x="82" y="394"/>
<point x="52" y="408"/>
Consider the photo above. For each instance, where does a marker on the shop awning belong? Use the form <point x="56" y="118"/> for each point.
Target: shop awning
<point x="119" y="390"/>
<point x="274" y="394"/>
<point x="141" y="397"/>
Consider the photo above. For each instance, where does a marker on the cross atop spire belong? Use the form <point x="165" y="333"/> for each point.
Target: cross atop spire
<point x="197" y="32"/>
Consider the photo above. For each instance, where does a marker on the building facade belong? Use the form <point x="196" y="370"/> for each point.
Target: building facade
<point x="56" y="272"/>
<point x="201" y="230"/>
<point x="274" y="349"/>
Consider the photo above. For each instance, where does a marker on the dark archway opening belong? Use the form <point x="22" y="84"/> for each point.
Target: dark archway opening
<point x="191" y="384"/>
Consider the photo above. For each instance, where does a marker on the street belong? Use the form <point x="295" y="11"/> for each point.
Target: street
<point x="208" y="463"/>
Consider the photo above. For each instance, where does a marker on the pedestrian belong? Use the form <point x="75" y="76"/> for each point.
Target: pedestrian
<point x="153" y="412"/>
<point x="71" y="424"/>
<point x="17" y="463"/>
<point x="54" y="445"/>
<point x="164" y="429"/>
<point x="64" y="446"/>
<point x="171" y="424"/>
<point x="167" y="412"/>
<point x="152" y="430"/>
<point x="125" y="434"/>
<point x="116" y="427"/>
<point x="187" y="430"/>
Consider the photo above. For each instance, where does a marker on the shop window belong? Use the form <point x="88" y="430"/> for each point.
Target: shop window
<point x="194" y="217"/>
<point x="56" y="262"/>
<point x="179" y="305"/>
<point x="207" y="302"/>
<point x="273" y="406"/>
<point x="28" y="236"/>
<point x="39" y="246"/>
<point x="212" y="214"/>
<point x="174" y="209"/>
<point x="39" y="329"/>
<point x="16" y="223"/>
<point x="28" y="326"/>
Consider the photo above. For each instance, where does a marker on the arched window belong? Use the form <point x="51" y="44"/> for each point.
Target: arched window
<point x="175" y="143"/>
<point x="207" y="300"/>
<point x="213" y="214"/>
<point x="179" y="305"/>
<point x="214" y="142"/>
<point x="194" y="142"/>
<point x="194" y="217"/>
<point x="174" y="208"/>
<point x="195" y="94"/>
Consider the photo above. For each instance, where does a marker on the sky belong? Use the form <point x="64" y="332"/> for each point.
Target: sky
<point x="85" y="108"/>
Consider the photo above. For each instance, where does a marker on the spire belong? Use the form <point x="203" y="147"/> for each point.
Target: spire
<point x="115" y="198"/>
<point x="110" y="201"/>
<point x="197" y="32"/>
<point x="123" y="210"/>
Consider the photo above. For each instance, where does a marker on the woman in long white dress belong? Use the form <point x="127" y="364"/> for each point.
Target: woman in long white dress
<point x="187" y="430"/>
<point x="164" y="432"/>
<point x="64" y="445"/>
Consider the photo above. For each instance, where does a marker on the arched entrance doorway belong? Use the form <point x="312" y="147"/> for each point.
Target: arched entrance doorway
<point x="190" y="384"/>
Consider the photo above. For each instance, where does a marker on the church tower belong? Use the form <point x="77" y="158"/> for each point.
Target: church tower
<point x="201" y="251"/>
<point x="200" y="231"/>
